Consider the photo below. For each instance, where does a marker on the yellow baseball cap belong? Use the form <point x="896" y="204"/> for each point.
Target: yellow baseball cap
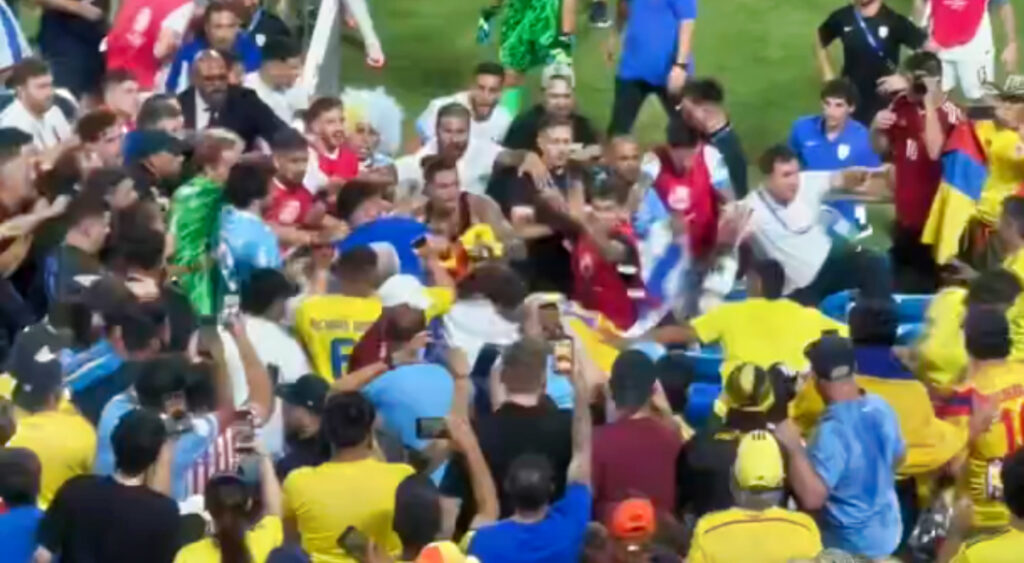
<point x="748" y="388"/>
<point x="759" y="462"/>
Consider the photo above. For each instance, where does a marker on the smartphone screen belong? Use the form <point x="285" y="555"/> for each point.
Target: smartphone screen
<point x="431" y="428"/>
<point x="354" y="543"/>
<point x="244" y="431"/>
<point x="563" y="353"/>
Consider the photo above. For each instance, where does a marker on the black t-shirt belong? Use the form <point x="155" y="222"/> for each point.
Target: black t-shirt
<point x="506" y="434"/>
<point x="268" y="25"/>
<point x="96" y="519"/>
<point x="91" y="400"/>
<point x="306" y="452"/>
<point x="862" y="63"/>
<point x="522" y="133"/>
<point x="67" y="276"/>
<point x="704" y="471"/>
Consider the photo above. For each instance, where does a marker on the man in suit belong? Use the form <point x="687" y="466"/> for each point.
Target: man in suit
<point x="211" y="102"/>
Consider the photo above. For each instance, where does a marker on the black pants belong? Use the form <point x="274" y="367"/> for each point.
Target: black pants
<point x="629" y="97"/>
<point x="15" y="315"/>
<point x="914" y="267"/>
<point x="847" y="267"/>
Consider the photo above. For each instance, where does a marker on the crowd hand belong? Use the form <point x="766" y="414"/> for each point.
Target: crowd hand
<point x="1009" y="57"/>
<point x="457" y="363"/>
<point x="534" y="167"/>
<point x="963" y="515"/>
<point x="854" y="178"/>
<point x="676" y="80"/>
<point x="883" y="120"/>
<point x="983" y="413"/>
<point x="961" y="271"/>
<point x="734" y="224"/>
<point x="461" y="436"/>
<point x="788" y="435"/>
<point x="935" y="95"/>
<point x="585" y="154"/>
<point x="660" y="401"/>
<point x="322" y="258"/>
<point x="376" y="553"/>
<point x="893" y="84"/>
<point x="89" y="12"/>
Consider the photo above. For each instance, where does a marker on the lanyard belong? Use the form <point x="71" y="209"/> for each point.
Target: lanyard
<point x="779" y="218"/>
<point x="871" y="40"/>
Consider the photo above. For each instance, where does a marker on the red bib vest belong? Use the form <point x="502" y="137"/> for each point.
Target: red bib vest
<point x="614" y="290"/>
<point x="955" y="22"/>
<point x="690" y="195"/>
<point x="133" y="35"/>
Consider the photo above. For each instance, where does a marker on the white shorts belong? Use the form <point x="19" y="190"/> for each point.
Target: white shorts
<point x="970" y="73"/>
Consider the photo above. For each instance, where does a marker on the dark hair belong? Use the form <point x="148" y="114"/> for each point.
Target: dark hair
<point x="529" y="482"/>
<point x="1013" y="482"/>
<point x="27" y="69"/>
<point x="218" y="7"/>
<point x="775" y="154"/>
<point x="86" y="206"/>
<point x="200" y="386"/>
<point x="993" y="287"/>
<point x="923" y="62"/>
<point x="102" y="181"/>
<point x="117" y="76"/>
<point x="248" y="181"/>
<point x="680" y="134"/>
<point x="137" y="440"/>
<point x="347" y="419"/>
<point x="417" y="517"/>
<point x="703" y="91"/>
<point x="288" y="140"/>
<point x="227" y="500"/>
<point x="280" y="48"/>
<point x="548" y="122"/>
<point x="160" y="377"/>
<point x="263" y="288"/>
<point x="155" y="109"/>
<point x="136" y="245"/>
<point x="11" y="142"/>
<point x="354" y="194"/>
<point x="138" y="329"/>
<point x="33" y="400"/>
<point x="321" y="106"/>
<point x="20" y="471"/>
<point x="840" y="89"/>
<point x="453" y="109"/>
<point x="611" y="188"/>
<point x="772" y="276"/>
<point x="358" y="263"/>
<point x="495" y="281"/>
<point x="434" y="165"/>
<point x="403" y="323"/>
<point x="489" y="68"/>
<point x="524" y="365"/>
<point x="90" y="127"/>
<point x="1013" y="209"/>
<point x="987" y="333"/>
<point x="873" y="322"/>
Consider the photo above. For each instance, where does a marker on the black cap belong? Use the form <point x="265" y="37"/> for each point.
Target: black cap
<point x="308" y="391"/>
<point x="987" y="333"/>
<point x="632" y="379"/>
<point x="38" y="374"/>
<point x="31" y="341"/>
<point x="140" y="144"/>
<point x="264" y="287"/>
<point x="831" y="358"/>
<point x="13" y="138"/>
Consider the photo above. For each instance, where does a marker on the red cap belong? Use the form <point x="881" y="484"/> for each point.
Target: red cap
<point x="633" y="519"/>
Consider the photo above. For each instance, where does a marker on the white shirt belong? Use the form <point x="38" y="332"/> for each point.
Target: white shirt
<point x="274" y="345"/>
<point x="11" y="36"/>
<point x="474" y="167"/>
<point x="491" y="129"/>
<point x="47" y="132"/>
<point x="202" y="113"/>
<point x="284" y="103"/>
<point x="792" y="234"/>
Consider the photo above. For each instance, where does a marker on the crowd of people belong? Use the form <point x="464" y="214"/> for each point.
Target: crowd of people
<point x="243" y="320"/>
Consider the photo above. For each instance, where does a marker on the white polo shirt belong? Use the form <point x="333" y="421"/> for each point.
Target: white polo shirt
<point x="47" y="132"/>
<point x="793" y="234"/>
<point x="474" y="167"/>
<point x="492" y="129"/>
<point x="284" y="103"/>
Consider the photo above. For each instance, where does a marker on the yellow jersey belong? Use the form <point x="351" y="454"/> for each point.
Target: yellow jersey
<point x="941" y="352"/>
<point x="1003" y="149"/>
<point x="329" y="326"/>
<point x="1004" y="546"/>
<point x="261" y="540"/>
<point x="326" y="499"/>
<point x="764" y="331"/>
<point x="775" y="535"/>
<point x="1001" y="386"/>
<point x="65" y="444"/>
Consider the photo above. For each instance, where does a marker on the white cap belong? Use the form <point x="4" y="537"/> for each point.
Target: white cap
<point x="404" y="289"/>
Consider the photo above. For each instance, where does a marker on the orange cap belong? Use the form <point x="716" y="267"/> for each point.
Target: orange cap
<point x="633" y="519"/>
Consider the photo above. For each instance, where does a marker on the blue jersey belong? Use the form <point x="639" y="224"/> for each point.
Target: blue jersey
<point x="851" y="147"/>
<point x="246" y="244"/>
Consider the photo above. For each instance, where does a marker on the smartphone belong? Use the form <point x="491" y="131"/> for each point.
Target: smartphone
<point x="354" y="543"/>
<point x="563" y="351"/>
<point x="177" y="424"/>
<point x="431" y="428"/>
<point x="243" y="429"/>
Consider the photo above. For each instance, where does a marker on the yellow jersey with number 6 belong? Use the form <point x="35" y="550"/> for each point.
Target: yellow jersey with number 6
<point x="1001" y="386"/>
<point x="330" y="325"/>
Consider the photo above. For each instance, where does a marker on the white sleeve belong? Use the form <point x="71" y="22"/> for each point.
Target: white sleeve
<point x="650" y="167"/>
<point x="315" y="179"/>
<point x="490" y="152"/>
<point x="426" y="122"/>
<point x="407" y="168"/>
<point x="716" y="168"/>
<point x="178" y="20"/>
<point x="236" y="370"/>
<point x="814" y="186"/>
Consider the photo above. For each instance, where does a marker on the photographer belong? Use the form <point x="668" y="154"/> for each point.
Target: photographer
<point x="913" y="132"/>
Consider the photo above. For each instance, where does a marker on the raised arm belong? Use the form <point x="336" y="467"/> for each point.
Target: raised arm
<point x="1009" y="53"/>
<point x="580" y="466"/>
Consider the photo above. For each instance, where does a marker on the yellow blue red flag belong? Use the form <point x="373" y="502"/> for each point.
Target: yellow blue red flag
<point x="964" y="172"/>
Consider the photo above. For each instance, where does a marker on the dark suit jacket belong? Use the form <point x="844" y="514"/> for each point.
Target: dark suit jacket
<point x="243" y="112"/>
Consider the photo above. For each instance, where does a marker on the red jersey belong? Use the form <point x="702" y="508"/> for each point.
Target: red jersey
<point x="610" y="289"/>
<point x="133" y="35"/>
<point x="289" y="205"/>
<point x="342" y="164"/>
<point x="691" y="195"/>
<point x="917" y="175"/>
<point x="956" y="22"/>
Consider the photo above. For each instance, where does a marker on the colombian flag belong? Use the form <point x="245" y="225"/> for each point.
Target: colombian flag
<point x="964" y="172"/>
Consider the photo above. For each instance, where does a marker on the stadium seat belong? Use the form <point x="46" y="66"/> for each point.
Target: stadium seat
<point x="700" y="402"/>
<point x="907" y="333"/>
<point x="911" y="308"/>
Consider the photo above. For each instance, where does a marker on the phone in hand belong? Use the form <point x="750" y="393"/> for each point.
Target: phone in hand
<point x="243" y="429"/>
<point x="564" y="353"/>
<point x="432" y="428"/>
<point x="354" y="543"/>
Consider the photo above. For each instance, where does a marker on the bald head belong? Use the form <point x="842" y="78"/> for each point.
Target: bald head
<point x="623" y="157"/>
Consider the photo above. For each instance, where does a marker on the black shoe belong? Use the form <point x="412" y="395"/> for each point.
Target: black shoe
<point x="599" y="14"/>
